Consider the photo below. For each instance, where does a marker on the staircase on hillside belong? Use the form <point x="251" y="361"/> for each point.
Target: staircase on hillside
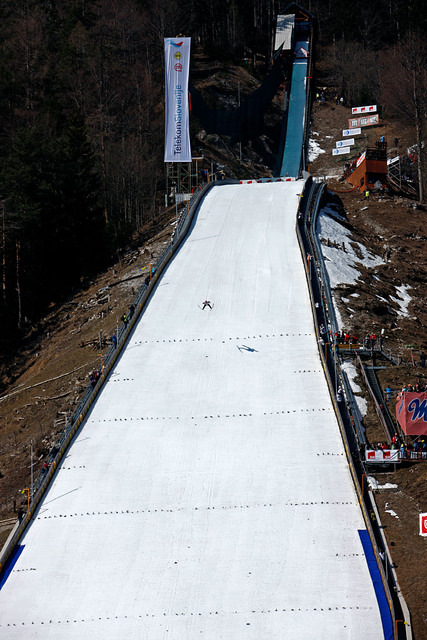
<point x="377" y="394"/>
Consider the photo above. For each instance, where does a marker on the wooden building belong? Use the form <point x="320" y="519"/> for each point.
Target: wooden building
<point x="370" y="168"/>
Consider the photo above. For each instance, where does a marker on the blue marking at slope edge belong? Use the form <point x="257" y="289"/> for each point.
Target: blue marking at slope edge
<point x="10" y="564"/>
<point x="291" y="161"/>
<point x="378" y="585"/>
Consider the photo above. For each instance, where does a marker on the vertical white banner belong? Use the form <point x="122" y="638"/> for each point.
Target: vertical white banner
<point x="177" y="126"/>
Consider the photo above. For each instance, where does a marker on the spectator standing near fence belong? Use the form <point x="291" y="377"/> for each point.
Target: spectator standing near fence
<point x="94" y="376"/>
<point x="114" y="340"/>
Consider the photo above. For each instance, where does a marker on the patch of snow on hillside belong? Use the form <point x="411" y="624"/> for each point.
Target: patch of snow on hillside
<point x="314" y="150"/>
<point x="373" y="484"/>
<point x="338" y="317"/>
<point x="351" y="373"/>
<point x="402" y="300"/>
<point x="341" y="259"/>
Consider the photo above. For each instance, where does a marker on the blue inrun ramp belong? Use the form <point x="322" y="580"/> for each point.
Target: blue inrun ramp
<point x="291" y="160"/>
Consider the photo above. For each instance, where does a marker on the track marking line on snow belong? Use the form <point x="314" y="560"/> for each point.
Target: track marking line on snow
<point x="163" y="614"/>
<point x="213" y="417"/>
<point x="231" y="507"/>
<point x="236" y="338"/>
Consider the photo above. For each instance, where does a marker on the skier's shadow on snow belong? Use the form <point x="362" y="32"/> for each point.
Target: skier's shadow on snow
<point x="245" y="348"/>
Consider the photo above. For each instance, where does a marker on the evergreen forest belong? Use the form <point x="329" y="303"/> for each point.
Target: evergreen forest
<point x="82" y="115"/>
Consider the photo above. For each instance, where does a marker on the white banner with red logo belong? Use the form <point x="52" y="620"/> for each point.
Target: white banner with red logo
<point x="177" y="121"/>
<point x="364" y="121"/>
<point x="411" y="413"/>
<point x="423" y="524"/>
<point x="382" y="455"/>
<point x="371" y="109"/>
<point x="360" y="159"/>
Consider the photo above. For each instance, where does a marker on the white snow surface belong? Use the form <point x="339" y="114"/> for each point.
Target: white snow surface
<point x="392" y="513"/>
<point x="351" y="372"/>
<point x="341" y="264"/>
<point x="402" y="300"/>
<point x="373" y="484"/>
<point x="314" y="149"/>
<point x="208" y="492"/>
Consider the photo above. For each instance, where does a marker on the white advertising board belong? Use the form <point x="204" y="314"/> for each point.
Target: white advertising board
<point x="340" y="152"/>
<point x="382" y="455"/>
<point x="344" y="143"/>
<point x="352" y="132"/>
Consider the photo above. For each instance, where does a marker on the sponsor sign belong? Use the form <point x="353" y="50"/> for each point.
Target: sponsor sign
<point x="371" y="109"/>
<point x="284" y="32"/>
<point x="411" y="413"/>
<point x="301" y="49"/>
<point x="341" y="151"/>
<point x="361" y="159"/>
<point x="344" y="143"/>
<point x="352" y="132"/>
<point x="394" y="160"/>
<point x="423" y="524"/>
<point x="177" y="130"/>
<point x="382" y="455"/>
<point x="182" y="197"/>
<point x="364" y="121"/>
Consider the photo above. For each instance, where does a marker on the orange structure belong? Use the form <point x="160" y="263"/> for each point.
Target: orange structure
<point x="370" y="168"/>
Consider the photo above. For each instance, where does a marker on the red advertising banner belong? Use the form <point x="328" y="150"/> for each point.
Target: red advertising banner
<point x="423" y="524"/>
<point x="411" y="413"/>
<point x="364" y="121"/>
<point x="370" y="109"/>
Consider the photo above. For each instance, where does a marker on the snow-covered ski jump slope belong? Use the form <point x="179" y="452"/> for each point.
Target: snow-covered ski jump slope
<point x="208" y="493"/>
